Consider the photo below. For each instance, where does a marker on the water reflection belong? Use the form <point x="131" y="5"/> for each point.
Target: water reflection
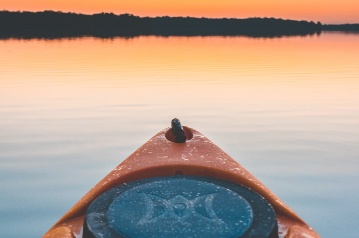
<point x="287" y="109"/>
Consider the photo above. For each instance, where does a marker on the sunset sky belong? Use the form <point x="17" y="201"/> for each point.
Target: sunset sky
<point x="326" y="11"/>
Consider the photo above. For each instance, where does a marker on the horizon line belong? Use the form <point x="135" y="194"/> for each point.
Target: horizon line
<point x="91" y="14"/>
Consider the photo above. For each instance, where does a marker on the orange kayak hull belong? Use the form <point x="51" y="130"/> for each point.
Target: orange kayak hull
<point x="198" y="156"/>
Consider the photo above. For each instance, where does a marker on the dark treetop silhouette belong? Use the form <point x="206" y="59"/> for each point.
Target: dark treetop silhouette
<point x="50" y="24"/>
<point x="343" y="27"/>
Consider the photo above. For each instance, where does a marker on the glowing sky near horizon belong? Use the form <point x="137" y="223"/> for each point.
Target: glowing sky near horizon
<point x="326" y="11"/>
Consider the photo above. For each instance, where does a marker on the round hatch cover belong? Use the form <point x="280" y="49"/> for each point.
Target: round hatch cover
<point x="180" y="206"/>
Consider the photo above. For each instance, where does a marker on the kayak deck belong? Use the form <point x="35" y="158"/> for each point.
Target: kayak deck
<point x="161" y="157"/>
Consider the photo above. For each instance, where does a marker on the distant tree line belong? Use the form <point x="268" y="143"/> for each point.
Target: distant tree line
<point x="342" y="27"/>
<point x="50" y="24"/>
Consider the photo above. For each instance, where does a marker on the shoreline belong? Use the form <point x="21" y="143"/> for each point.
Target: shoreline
<point x="49" y="24"/>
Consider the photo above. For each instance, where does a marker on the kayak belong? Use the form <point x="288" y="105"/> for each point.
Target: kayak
<point x="180" y="184"/>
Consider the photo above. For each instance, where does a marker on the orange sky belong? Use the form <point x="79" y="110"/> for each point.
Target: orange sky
<point x="326" y="11"/>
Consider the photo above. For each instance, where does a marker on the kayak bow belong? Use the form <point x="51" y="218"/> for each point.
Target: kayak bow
<point x="188" y="188"/>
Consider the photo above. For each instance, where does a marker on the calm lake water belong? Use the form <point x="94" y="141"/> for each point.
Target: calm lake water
<point x="286" y="108"/>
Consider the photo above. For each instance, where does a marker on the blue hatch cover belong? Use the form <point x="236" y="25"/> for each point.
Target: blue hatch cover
<point x="180" y="207"/>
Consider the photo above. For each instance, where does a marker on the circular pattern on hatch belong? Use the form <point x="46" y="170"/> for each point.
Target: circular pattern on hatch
<point x="180" y="206"/>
